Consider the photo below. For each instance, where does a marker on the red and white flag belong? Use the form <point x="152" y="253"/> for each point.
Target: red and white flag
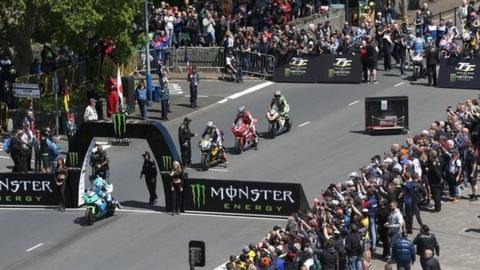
<point x="119" y="89"/>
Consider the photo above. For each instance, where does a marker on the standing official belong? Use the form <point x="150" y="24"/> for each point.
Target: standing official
<point x="141" y="96"/>
<point x="149" y="169"/>
<point x="433" y="59"/>
<point x="194" y="79"/>
<point x="184" y="138"/>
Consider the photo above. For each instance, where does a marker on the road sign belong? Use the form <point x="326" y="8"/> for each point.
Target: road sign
<point x="26" y="90"/>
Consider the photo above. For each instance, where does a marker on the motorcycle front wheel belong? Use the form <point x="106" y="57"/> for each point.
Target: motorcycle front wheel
<point x="238" y="146"/>
<point x="272" y="129"/>
<point x="89" y="217"/>
<point x="205" y="161"/>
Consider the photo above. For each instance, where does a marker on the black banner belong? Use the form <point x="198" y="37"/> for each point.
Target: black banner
<point x="27" y="189"/>
<point x="325" y="68"/>
<point x="462" y="74"/>
<point x="296" y="69"/>
<point x="243" y="197"/>
<point x="339" y="69"/>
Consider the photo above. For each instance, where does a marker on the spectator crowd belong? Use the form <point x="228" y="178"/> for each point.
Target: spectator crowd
<point x="376" y="204"/>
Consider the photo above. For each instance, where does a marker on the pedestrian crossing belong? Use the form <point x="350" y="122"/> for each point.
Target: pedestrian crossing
<point x="175" y="89"/>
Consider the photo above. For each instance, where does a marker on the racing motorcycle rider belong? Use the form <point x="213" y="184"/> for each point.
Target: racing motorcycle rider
<point x="99" y="186"/>
<point x="281" y="103"/>
<point x="216" y="135"/>
<point x="247" y="119"/>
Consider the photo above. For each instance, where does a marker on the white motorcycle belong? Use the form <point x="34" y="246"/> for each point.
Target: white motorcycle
<point x="277" y="123"/>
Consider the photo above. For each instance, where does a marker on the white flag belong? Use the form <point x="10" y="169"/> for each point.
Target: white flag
<point x="119" y="89"/>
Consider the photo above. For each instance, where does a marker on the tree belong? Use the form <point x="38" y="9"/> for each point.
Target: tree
<point x="77" y="24"/>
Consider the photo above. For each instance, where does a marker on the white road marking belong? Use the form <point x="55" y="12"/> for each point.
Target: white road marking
<point x="198" y="96"/>
<point x="229" y="216"/>
<point x="234" y="96"/>
<point x="250" y="90"/>
<point x="34" y="247"/>
<point x="218" y="170"/>
<point x="304" y="124"/>
<point x="352" y="103"/>
<point x="398" y="84"/>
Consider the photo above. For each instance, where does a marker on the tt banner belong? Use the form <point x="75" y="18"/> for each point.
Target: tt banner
<point x="243" y="197"/>
<point x="339" y="69"/>
<point x="462" y="74"/>
<point x="33" y="189"/>
<point x="296" y="69"/>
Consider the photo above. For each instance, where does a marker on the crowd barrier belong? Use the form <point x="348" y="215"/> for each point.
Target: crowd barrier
<point x="462" y="74"/>
<point x="205" y="59"/>
<point x="325" y="68"/>
<point x="243" y="197"/>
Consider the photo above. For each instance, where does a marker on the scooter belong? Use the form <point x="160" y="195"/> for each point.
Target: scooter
<point x="244" y="137"/>
<point x="212" y="154"/>
<point x="277" y="123"/>
<point x="97" y="207"/>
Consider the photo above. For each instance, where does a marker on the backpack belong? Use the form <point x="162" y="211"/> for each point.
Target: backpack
<point x="6" y="145"/>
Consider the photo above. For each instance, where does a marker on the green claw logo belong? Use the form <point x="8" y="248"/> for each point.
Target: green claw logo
<point x="167" y="162"/>
<point x="331" y="72"/>
<point x="198" y="195"/>
<point x="119" y="121"/>
<point x="73" y="159"/>
<point x="453" y="77"/>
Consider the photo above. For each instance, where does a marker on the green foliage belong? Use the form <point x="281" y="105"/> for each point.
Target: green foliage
<point x="78" y="24"/>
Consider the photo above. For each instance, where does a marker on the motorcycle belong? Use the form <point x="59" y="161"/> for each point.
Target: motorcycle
<point x="277" y="123"/>
<point x="212" y="154"/>
<point x="417" y="65"/>
<point x="97" y="207"/>
<point x="244" y="136"/>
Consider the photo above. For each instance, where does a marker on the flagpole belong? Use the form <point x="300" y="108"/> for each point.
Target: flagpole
<point x="147" y="57"/>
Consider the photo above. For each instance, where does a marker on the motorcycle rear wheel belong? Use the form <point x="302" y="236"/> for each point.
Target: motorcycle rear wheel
<point x="89" y="217"/>
<point x="238" y="146"/>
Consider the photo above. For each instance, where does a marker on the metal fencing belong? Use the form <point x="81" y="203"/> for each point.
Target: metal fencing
<point x="454" y="15"/>
<point x="207" y="59"/>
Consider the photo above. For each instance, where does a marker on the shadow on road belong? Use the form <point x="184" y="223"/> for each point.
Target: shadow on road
<point x="472" y="230"/>
<point x="142" y="205"/>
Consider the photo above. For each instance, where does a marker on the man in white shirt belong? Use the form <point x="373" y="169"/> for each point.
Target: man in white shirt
<point x="209" y="28"/>
<point x="90" y="111"/>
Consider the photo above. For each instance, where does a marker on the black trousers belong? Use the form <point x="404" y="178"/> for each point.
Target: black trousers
<point x="432" y="74"/>
<point x="151" y="182"/>
<point x="410" y="210"/>
<point x="383" y="234"/>
<point x="61" y="195"/>
<point x="365" y="71"/>
<point x="176" y="199"/>
<point x="186" y="150"/>
<point x="193" y="95"/>
<point x="437" y="195"/>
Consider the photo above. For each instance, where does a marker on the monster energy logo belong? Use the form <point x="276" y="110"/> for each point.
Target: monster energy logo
<point x="198" y="195"/>
<point x="453" y="77"/>
<point x="119" y="124"/>
<point x="73" y="159"/>
<point x="167" y="162"/>
<point x="331" y="72"/>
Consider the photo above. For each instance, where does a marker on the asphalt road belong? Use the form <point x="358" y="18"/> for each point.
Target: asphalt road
<point x="327" y="147"/>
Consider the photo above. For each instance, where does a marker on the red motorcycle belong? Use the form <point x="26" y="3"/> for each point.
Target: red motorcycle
<point x="244" y="136"/>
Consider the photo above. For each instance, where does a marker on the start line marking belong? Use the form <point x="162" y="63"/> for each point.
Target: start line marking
<point x="34" y="247"/>
<point x="304" y="124"/>
<point x="218" y="170"/>
<point x="398" y="84"/>
<point x="352" y="103"/>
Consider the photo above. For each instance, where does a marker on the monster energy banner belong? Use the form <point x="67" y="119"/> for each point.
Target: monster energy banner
<point x="243" y="197"/>
<point x="119" y="121"/>
<point x="463" y="74"/>
<point x="325" y="68"/>
<point x="296" y="69"/>
<point x="339" y="69"/>
<point x="27" y="189"/>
